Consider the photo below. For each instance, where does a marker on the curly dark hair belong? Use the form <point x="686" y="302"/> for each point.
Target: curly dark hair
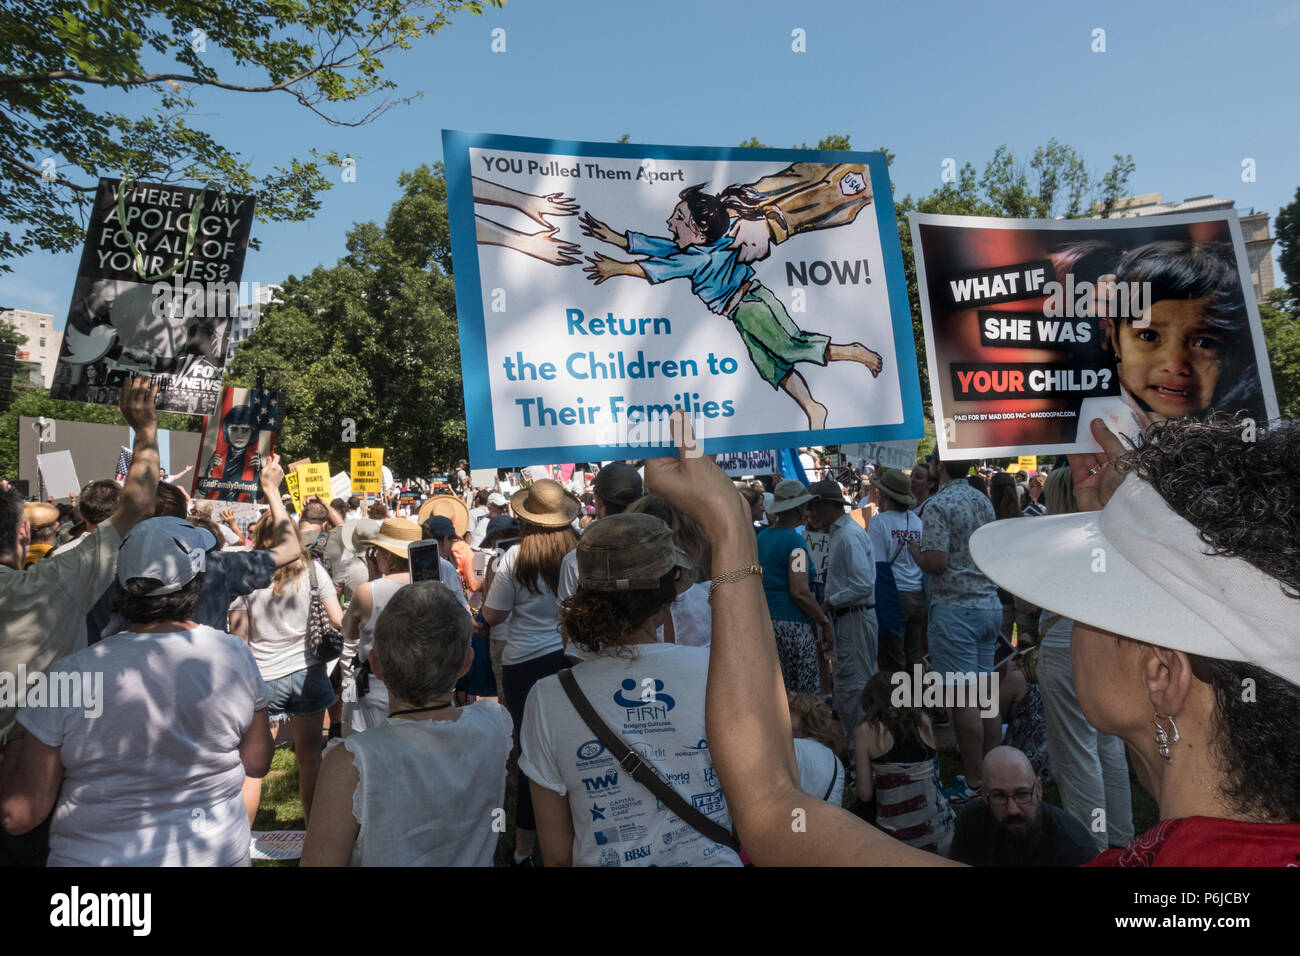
<point x="593" y="619"/>
<point x="1244" y="500"/>
<point x="1242" y="496"/>
<point x="132" y="603"/>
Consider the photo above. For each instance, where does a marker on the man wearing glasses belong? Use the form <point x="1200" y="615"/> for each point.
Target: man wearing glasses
<point x="1011" y="826"/>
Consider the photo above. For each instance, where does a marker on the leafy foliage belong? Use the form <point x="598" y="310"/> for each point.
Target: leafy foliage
<point x="1287" y="229"/>
<point x="1279" y="314"/>
<point x="54" y="144"/>
<point x="372" y="339"/>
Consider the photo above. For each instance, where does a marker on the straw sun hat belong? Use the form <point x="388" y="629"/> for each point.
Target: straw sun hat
<point x="395" y="536"/>
<point x="545" y="504"/>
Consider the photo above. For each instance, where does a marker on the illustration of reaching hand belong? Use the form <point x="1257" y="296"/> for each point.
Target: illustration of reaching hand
<point x="591" y="226"/>
<point x="602" y="268"/>
<point x="536" y="208"/>
<point x="539" y="245"/>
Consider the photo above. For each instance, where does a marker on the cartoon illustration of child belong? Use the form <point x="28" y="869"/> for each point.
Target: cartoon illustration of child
<point x="1190" y="351"/>
<point x="703" y="250"/>
<point x="237" y="429"/>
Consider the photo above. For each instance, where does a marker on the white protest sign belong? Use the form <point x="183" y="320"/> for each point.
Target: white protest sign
<point x="602" y="304"/>
<point x="819" y="543"/>
<point x="892" y="454"/>
<point x="341" y="485"/>
<point x="59" y="473"/>
<point x="738" y="464"/>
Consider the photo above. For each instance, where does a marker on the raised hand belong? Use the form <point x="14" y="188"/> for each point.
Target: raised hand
<point x="272" y="475"/>
<point x="139" y="403"/>
<point x="697" y="486"/>
<point x="1095" y="475"/>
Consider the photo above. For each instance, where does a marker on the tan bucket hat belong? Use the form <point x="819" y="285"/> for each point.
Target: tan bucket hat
<point x="396" y="535"/>
<point x="449" y="506"/>
<point x="546" y="504"/>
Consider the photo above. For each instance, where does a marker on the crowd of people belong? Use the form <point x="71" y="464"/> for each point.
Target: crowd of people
<point x="666" y="666"/>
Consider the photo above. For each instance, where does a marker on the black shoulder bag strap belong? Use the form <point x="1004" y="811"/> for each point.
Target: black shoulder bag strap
<point x="642" y="772"/>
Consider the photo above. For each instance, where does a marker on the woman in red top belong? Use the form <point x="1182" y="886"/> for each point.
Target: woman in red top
<point x="1184" y="584"/>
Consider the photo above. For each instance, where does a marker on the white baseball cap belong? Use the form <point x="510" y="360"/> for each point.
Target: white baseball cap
<point x="498" y="500"/>
<point x="1139" y="569"/>
<point x="168" y="549"/>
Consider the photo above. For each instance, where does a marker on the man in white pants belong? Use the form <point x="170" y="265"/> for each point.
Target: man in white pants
<point x="849" y="600"/>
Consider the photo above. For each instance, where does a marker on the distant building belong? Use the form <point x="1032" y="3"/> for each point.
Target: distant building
<point x="249" y="316"/>
<point x="1254" y="229"/>
<point x="43" y="341"/>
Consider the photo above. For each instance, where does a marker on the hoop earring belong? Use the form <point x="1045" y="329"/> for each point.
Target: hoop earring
<point x="1162" y="738"/>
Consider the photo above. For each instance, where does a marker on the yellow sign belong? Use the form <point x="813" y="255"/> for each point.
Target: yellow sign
<point x="315" y="480"/>
<point x="1028" y="463"/>
<point x="292" y="481"/>
<point x="367" y="471"/>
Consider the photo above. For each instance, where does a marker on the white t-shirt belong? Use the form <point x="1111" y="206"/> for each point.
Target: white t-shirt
<point x="277" y="623"/>
<point x="478" y="522"/>
<point x="532" y="630"/>
<point x="155" y="779"/>
<point x="617" y="821"/>
<point x="819" y="770"/>
<point x="569" y="575"/>
<point x="888" y="530"/>
<point x="453" y="778"/>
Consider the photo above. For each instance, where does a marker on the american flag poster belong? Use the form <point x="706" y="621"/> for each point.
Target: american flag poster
<point x="236" y="440"/>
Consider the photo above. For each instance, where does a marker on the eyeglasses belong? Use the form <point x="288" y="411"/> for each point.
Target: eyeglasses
<point x="997" y="798"/>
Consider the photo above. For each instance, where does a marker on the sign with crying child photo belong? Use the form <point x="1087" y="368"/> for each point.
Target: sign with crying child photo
<point x="1033" y="328"/>
<point x="603" y="286"/>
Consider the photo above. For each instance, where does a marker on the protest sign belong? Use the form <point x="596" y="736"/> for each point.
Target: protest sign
<point x="1035" y="327"/>
<point x="366" y="469"/>
<point x="293" y="481"/>
<point x="741" y="463"/>
<point x="790" y="324"/>
<point x="483" y="478"/>
<point x="1028" y="463"/>
<point x="158" y="283"/>
<point x="819" y="545"/>
<point x="315" y="480"/>
<point x="237" y="438"/>
<point x="341" y="486"/>
<point x="59" y="473"/>
<point x="278" y="844"/>
<point x="892" y="454"/>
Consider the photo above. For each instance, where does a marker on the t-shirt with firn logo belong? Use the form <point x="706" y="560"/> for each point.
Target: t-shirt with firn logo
<point x="655" y="703"/>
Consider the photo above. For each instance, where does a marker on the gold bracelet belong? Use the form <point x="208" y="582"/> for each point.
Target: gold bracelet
<point x="734" y="575"/>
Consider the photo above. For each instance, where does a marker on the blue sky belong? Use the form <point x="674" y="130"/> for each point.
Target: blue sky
<point x="1189" y="88"/>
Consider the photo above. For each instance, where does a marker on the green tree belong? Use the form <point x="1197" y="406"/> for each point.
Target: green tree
<point x="1279" y="314"/>
<point x="56" y="139"/>
<point x="372" y="339"/>
<point x="1287" y="229"/>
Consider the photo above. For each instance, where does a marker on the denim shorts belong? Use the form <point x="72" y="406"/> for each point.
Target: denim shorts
<point x="962" y="639"/>
<point x="300" y="694"/>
